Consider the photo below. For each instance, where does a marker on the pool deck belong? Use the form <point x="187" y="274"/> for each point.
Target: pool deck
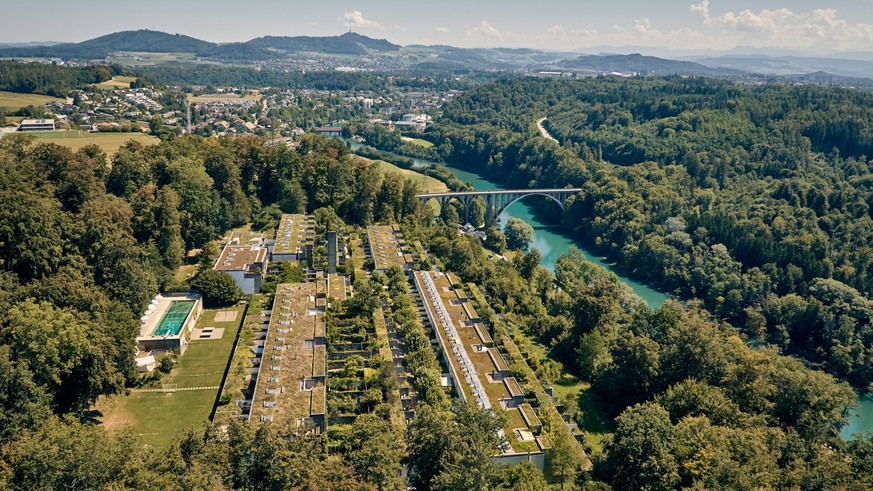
<point x="153" y="318"/>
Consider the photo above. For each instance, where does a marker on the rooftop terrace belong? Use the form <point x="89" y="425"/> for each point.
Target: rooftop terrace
<point x="290" y="385"/>
<point x="387" y="247"/>
<point x="293" y="232"/>
<point x="480" y="372"/>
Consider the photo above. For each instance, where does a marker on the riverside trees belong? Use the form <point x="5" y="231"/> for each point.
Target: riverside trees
<point x="754" y="200"/>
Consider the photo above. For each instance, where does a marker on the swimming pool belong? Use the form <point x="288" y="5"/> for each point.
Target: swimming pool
<point x="173" y="319"/>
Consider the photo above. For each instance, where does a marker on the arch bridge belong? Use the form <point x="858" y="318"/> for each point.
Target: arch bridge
<point x="497" y="202"/>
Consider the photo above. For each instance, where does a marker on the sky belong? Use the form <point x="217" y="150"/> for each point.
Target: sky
<point x="807" y="26"/>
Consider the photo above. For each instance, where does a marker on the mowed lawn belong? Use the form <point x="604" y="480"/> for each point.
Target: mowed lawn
<point x="108" y="142"/>
<point x="117" y="82"/>
<point x="425" y="183"/>
<point x="159" y="418"/>
<point x="13" y="101"/>
<point x="417" y="141"/>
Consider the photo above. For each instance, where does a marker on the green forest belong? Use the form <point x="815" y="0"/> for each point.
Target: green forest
<point x="48" y="79"/>
<point x="754" y="200"/>
<point x="85" y="245"/>
<point x="752" y="205"/>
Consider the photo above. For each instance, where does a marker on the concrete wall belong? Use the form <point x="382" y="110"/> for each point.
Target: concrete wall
<point x="284" y="257"/>
<point x="331" y="252"/>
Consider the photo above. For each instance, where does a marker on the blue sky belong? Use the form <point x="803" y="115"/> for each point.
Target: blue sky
<point x="800" y="25"/>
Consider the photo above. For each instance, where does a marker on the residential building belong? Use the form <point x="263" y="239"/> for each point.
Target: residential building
<point x="245" y="263"/>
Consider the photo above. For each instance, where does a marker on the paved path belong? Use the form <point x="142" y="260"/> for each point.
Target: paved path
<point x="175" y="390"/>
<point x="545" y="132"/>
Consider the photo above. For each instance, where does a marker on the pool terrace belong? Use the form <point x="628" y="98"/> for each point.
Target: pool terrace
<point x="167" y="322"/>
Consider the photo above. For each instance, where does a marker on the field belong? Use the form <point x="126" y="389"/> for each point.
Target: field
<point x="143" y="59"/>
<point x="427" y="184"/>
<point x="593" y="424"/>
<point x="13" y="101"/>
<point x="158" y="418"/>
<point x="417" y="141"/>
<point x="116" y="82"/>
<point x="223" y="97"/>
<point x="108" y="142"/>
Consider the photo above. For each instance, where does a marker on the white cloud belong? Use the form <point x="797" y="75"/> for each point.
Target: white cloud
<point x="441" y="29"/>
<point x="399" y="28"/>
<point x="484" y="31"/>
<point x="557" y="32"/>
<point x="819" y="28"/>
<point x="356" y="19"/>
<point x="642" y="25"/>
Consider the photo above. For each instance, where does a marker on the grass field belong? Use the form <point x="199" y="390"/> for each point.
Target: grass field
<point x="13" y="101"/>
<point x="108" y="142"/>
<point x="223" y="97"/>
<point x="158" y="418"/>
<point x="184" y="272"/>
<point x="116" y="82"/>
<point x="593" y="424"/>
<point x="142" y="59"/>
<point x="417" y="141"/>
<point x="427" y="184"/>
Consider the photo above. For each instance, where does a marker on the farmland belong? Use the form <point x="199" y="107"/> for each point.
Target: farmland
<point x="13" y="101"/>
<point x="108" y="142"/>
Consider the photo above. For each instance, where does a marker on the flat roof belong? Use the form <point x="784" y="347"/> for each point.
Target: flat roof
<point x="293" y="233"/>
<point x="468" y="347"/>
<point x="387" y="246"/>
<point x="236" y="257"/>
<point x="292" y="364"/>
<point x="37" y="121"/>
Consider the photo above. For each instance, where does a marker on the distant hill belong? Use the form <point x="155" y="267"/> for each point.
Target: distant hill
<point x="237" y="52"/>
<point x="145" y="40"/>
<point x="262" y="48"/>
<point x="100" y="47"/>
<point x="824" y="78"/>
<point x="788" y="65"/>
<point x="643" y="65"/>
<point x="349" y="43"/>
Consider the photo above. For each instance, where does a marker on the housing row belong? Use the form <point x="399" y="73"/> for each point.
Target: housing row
<point x="290" y="359"/>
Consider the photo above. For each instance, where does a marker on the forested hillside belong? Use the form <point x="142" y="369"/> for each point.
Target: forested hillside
<point x="755" y="200"/>
<point x="32" y="78"/>
<point x="84" y="245"/>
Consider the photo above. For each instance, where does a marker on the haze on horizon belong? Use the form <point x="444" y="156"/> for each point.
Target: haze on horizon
<point x="814" y="27"/>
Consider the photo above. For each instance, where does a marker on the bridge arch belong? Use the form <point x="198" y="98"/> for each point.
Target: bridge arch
<point x="503" y="208"/>
<point x="498" y="201"/>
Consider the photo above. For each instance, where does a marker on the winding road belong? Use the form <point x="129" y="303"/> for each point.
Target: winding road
<point x="545" y="132"/>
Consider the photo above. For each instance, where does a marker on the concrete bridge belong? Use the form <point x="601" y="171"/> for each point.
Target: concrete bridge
<point x="497" y="202"/>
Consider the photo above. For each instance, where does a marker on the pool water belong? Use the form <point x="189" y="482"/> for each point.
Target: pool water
<point x="173" y="319"/>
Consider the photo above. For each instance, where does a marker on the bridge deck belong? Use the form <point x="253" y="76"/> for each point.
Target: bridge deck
<point x="497" y="192"/>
